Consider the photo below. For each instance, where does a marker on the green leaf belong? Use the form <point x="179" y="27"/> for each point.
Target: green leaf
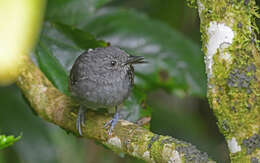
<point x="99" y="3"/>
<point x="175" y="62"/>
<point x="51" y="67"/>
<point x="60" y="46"/>
<point x="6" y="141"/>
<point x="83" y="40"/>
<point x="73" y="12"/>
<point x="59" y="35"/>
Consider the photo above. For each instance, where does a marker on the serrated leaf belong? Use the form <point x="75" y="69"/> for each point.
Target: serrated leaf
<point x="6" y="141"/>
<point x="175" y="62"/>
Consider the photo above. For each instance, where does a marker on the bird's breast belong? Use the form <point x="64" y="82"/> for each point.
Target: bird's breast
<point x="105" y="93"/>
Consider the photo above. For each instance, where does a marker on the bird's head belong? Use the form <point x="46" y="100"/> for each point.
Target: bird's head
<point x="113" y="58"/>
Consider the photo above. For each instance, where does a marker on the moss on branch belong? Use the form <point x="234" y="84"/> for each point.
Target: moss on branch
<point x="55" y="107"/>
<point x="233" y="72"/>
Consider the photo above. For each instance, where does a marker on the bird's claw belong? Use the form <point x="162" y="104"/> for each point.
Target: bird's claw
<point x="80" y="120"/>
<point x="112" y="123"/>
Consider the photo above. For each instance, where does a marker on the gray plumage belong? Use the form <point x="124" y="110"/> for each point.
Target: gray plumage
<point x="102" y="78"/>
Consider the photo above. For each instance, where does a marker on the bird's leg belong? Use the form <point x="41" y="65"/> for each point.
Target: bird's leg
<point x="112" y="122"/>
<point x="80" y="119"/>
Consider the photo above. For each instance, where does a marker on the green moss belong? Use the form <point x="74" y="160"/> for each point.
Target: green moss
<point x="155" y="148"/>
<point x="188" y="152"/>
<point x="252" y="143"/>
<point x="153" y="139"/>
<point x="223" y="11"/>
<point x="192" y="3"/>
<point x="234" y="92"/>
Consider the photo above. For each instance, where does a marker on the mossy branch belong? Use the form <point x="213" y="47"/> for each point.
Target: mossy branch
<point x="233" y="67"/>
<point x="55" y="107"/>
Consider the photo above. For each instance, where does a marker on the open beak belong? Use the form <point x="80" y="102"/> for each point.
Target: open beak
<point x="135" y="60"/>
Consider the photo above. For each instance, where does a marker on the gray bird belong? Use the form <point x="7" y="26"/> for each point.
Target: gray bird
<point x="102" y="78"/>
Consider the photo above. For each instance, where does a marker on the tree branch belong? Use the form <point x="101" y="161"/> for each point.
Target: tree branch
<point x="233" y="67"/>
<point x="53" y="106"/>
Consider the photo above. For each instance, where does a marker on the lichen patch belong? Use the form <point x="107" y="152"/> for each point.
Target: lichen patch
<point x="126" y="123"/>
<point x="223" y="54"/>
<point x="252" y="143"/>
<point x="115" y="141"/>
<point x="135" y="150"/>
<point x="233" y="145"/>
<point x="146" y="155"/>
<point x="170" y="155"/>
<point x="219" y="34"/>
<point x="201" y="7"/>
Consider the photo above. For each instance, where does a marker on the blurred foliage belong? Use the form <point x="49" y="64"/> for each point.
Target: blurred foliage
<point x="175" y="13"/>
<point x="175" y="62"/>
<point x="167" y="59"/>
<point x="41" y="142"/>
<point x="175" y="65"/>
<point x="72" y="12"/>
<point x="6" y="141"/>
<point x="51" y="68"/>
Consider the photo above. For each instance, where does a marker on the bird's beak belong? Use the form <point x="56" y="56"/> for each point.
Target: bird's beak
<point x="135" y="60"/>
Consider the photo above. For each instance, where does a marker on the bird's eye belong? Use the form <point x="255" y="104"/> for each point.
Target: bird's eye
<point x="113" y="63"/>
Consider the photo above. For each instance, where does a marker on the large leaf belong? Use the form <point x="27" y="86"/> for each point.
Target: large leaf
<point x="47" y="61"/>
<point x="51" y="67"/>
<point x="175" y="62"/>
<point x="73" y="12"/>
<point x="57" y="50"/>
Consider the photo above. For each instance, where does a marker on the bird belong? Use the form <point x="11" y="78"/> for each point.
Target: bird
<point x="102" y="78"/>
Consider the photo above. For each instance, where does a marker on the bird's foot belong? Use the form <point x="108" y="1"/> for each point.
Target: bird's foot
<point x="112" y="123"/>
<point x="80" y="119"/>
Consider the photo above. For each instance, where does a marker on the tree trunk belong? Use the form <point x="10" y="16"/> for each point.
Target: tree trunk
<point x="233" y="68"/>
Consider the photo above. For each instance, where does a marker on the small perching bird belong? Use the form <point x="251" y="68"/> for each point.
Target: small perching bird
<point x="102" y="78"/>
